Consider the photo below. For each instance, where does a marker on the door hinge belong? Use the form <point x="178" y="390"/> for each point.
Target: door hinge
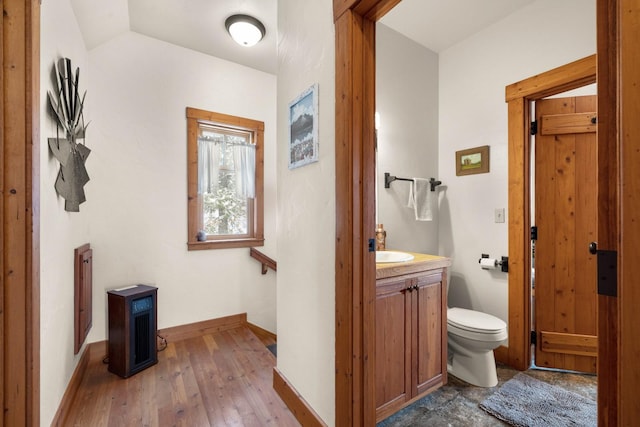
<point x="534" y="338"/>
<point x="534" y="233"/>
<point x="534" y="127"/>
<point x="372" y="245"/>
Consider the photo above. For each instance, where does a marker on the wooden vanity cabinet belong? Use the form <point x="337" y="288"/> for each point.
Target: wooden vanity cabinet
<point x="411" y="338"/>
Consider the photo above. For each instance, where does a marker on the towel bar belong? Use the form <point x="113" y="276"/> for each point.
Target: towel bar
<point x="388" y="179"/>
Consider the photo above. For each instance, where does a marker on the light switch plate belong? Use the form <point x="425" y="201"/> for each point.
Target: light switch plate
<point x="499" y="215"/>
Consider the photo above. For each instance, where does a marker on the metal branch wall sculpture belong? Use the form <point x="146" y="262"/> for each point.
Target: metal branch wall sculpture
<point x="66" y="107"/>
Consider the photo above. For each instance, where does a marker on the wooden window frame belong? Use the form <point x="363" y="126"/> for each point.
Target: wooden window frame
<point x="255" y="237"/>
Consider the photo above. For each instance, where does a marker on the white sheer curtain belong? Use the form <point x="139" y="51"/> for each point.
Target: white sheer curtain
<point x="244" y="159"/>
<point x="208" y="166"/>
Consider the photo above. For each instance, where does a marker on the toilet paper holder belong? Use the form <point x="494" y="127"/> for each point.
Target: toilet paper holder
<point x="503" y="263"/>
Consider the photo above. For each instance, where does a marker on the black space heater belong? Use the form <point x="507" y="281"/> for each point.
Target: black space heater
<point x="132" y="329"/>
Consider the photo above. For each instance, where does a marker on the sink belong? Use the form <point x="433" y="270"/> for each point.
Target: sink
<point x="392" y="256"/>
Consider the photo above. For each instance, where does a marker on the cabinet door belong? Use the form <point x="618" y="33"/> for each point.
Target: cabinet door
<point x="429" y="355"/>
<point x="393" y="345"/>
<point x="82" y="295"/>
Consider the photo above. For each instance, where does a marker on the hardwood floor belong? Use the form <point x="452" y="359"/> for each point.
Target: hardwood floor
<point x="221" y="379"/>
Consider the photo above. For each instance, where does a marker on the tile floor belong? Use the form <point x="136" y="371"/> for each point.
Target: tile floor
<point x="456" y="404"/>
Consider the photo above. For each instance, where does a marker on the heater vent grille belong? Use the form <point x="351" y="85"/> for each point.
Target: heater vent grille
<point x="141" y="338"/>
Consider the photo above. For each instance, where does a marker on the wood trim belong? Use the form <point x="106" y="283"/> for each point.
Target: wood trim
<point x="375" y="9"/>
<point x="303" y="412"/>
<point x="583" y="345"/>
<point x="608" y="202"/>
<point x="559" y="124"/>
<point x="367" y="181"/>
<point x="98" y="350"/>
<point x="346" y="384"/>
<point x="224" y="119"/>
<point x="72" y="388"/>
<point x="355" y="268"/>
<point x="262" y="333"/>
<point x="194" y="203"/>
<point x="561" y="79"/>
<point x="196" y="329"/>
<point x="265" y="260"/>
<point x="628" y="136"/>
<point x="341" y="6"/>
<point x="224" y="244"/>
<point x="519" y="225"/>
<point x="19" y="289"/>
<point x="371" y="9"/>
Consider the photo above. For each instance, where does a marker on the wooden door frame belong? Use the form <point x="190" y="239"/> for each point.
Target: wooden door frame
<point x="19" y="286"/>
<point x="355" y="209"/>
<point x="519" y="97"/>
<point x="618" y="64"/>
<point x="618" y="33"/>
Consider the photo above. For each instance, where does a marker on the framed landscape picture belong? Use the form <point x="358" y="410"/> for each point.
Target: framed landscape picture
<point x="472" y="161"/>
<point x="303" y="128"/>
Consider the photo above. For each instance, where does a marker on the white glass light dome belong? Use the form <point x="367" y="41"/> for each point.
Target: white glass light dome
<point x="244" y="29"/>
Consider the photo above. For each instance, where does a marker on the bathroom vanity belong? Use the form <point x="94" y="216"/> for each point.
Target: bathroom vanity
<point x="411" y="331"/>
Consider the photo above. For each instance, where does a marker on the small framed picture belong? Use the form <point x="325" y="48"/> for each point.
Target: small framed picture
<point x="472" y="161"/>
<point x="303" y="128"/>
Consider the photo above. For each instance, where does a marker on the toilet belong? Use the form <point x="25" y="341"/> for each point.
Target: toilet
<point x="472" y="337"/>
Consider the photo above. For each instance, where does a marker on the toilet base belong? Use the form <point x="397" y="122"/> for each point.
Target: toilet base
<point x="478" y="370"/>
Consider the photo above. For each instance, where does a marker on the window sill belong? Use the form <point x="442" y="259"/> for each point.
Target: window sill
<point x="224" y="244"/>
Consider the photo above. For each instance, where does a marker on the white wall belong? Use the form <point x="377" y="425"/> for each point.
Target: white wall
<point x="60" y="231"/>
<point x="407" y="102"/>
<point x="473" y="112"/>
<point x="141" y="88"/>
<point x="306" y="209"/>
<point x="135" y="216"/>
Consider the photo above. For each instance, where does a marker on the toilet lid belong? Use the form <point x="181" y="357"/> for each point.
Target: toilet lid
<point x="475" y="321"/>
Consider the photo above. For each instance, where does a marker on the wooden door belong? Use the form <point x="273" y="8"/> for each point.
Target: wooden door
<point x="392" y="345"/>
<point x="565" y="302"/>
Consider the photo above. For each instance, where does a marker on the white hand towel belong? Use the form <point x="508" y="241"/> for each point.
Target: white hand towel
<point x="420" y="199"/>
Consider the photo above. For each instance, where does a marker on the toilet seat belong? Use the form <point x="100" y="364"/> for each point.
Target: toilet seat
<point x="475" y="325"/>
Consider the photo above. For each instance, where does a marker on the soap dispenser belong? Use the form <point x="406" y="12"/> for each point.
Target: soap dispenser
<point x="381" y="236"/>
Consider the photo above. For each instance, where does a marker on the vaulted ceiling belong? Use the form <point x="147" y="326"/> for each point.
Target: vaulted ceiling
<point x="199" y="24"/>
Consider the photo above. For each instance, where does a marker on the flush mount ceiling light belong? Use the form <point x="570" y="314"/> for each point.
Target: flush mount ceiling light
<point x="244" y="29"/>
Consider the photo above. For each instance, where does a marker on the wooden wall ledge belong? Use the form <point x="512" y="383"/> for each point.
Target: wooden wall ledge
<point x="265" y="260"/>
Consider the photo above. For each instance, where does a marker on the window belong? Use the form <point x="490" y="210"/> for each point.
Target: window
<point x="225" y="176"/>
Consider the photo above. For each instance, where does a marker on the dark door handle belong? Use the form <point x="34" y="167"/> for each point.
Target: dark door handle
<point x="593" y="247"/>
